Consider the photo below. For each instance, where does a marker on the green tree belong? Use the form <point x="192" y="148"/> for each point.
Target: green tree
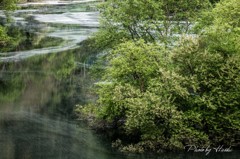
<point x="212" y="81"/>
<point x="4" y="38"/>
<point x="6" y="5"/>
<point x="142" y="89"/>
<point x="151" y="20"/>
<point x="177" y="96"/>
<point x="211" y="68"/>
<point x="223" y="31"/>
<point x="134" y="91"/>
<point x="130" y="64"/>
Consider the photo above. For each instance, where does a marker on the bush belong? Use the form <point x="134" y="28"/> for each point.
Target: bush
<point x="213" y="83"/>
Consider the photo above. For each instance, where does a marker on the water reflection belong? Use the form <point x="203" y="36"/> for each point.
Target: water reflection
<point x="32" y="136"/>
<point x="25" y="135"/>
<point x="34" y="122"/>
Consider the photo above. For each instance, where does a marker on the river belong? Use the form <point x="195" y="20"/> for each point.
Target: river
<point x="40" y="83"/>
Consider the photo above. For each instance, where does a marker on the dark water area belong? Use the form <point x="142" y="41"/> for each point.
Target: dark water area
<point x="41" y="81"/>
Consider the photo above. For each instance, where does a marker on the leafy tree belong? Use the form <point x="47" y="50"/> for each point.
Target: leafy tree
<point x="4" y="38"/>
<point x="6" y="5"/>
<point x="211" y="68"/>
<point x="141" y="89"/>
<point x="168" y="98"/>
<point x="213" y="85"/>
<point x="223" y="33"/>
<point x="128" y="66"/>
<point x="131" y="92"/>
<point x="151" y="20"/>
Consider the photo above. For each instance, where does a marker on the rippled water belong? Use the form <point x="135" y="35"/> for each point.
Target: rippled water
<point x="78" y="25"/>
<point x="40" y="85"/>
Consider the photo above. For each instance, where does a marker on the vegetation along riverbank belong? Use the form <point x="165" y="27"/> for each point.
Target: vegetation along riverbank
<point x="170" y="76"/>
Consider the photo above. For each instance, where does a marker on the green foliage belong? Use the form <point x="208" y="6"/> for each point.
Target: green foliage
<point x="141" y="89"/>
<point x="151" y="20"/>
<point x="130" y="93"/>
<point x="4" y="38"/>
<point x="8" y="4"/>
<point x="127" y="72"/>
<point x="211" y="68"/>
<point x="223" y="31"/>
<point x="14" y="38"/>
<point x="109" y="37"/>
<point x="213" y="84"/>
<point x="168" y="98"/>
<point x="136" y="62"/>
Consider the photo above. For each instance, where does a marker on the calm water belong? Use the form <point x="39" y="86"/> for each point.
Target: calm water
<point x="40" y="83"/>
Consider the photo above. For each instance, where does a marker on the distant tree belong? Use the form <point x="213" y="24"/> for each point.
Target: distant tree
<point x="4" y="38"/>
<point x="6" y="5"/>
